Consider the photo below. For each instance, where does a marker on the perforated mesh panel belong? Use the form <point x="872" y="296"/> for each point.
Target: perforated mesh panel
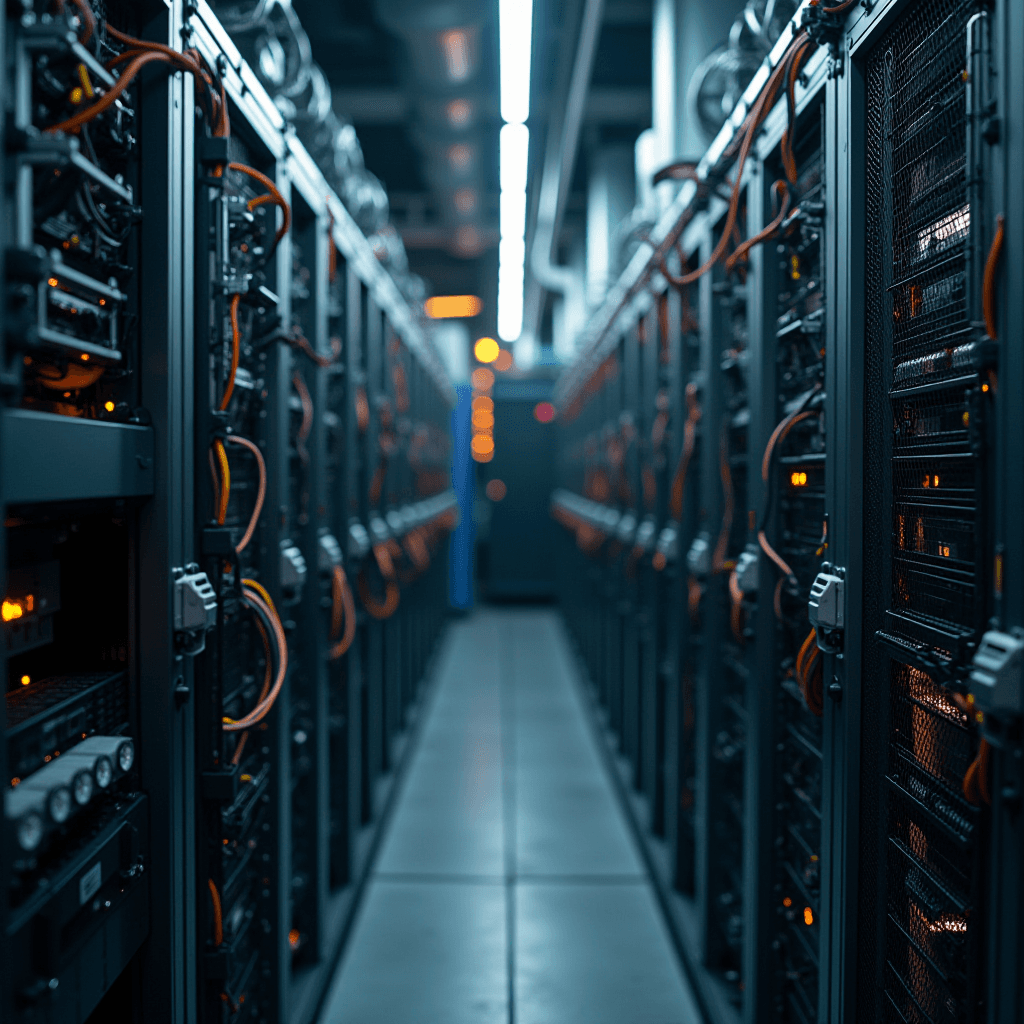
<point x="918" y="925"/>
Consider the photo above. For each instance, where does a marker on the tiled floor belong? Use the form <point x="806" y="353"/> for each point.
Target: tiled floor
<point x="508" y="889"/>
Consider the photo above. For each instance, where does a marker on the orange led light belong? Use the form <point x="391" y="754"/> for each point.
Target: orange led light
<point x="483" y="404"/>
<point x="798" y="479"/>
<point x="483" y="420"/>
<point x="808" y="916"/>
<point x="478" y="457"/>
<point x="447" y="307"/>
<point x="504" y="361"/>
<point x="482" y="444"/>
<point x="944" y="550"/>
<point x="85" y="357"/>
<point x="109" y="406"/>
<point x="25" y="680"/>
<point x="787" y="902"/>
<point x="293" y="938"/>
<point x="10" y="610"/>
<point x="459" y="112"/>
<point x="482" y="379"/>
<point x="52" y="282"/>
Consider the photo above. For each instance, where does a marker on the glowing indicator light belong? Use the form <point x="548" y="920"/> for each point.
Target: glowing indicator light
<point x="76" y="94"/>
<point x="455" y="44"/>
<point x="482" y="444"/>
<point x="496" y="489"/>
<point x="85" y="357"/>
<point x="798" y="479"/>
<point x="109" y="406"/>
<point x="459" y="113"/>
<point x="808" y="916"/>
<point x="486" y="350"/>
<point x="543" y="412"/>
<point x="483" y="420"/>
<point x="25" y="680"/>
<point x="11" y="610"/>
<point x="482" y="379"/>
<point x="293" y="938"/>
<point x="984" y="387"/>
<point x="931" y="480"/>
<point x="944" y="550"/>
<point x="787" y="902"/>
<point x="52" y="282"/>
<point x="483" y="403"/>
<point x="460" y="155"/>
<point x="447" y="307"/>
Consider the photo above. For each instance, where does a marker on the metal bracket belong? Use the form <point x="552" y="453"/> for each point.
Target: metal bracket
<point x="826" y="608"/>
<point x="195" y="609"/>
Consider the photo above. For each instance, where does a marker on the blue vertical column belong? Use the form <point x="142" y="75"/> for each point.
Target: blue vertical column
<point x="463" y="480"/>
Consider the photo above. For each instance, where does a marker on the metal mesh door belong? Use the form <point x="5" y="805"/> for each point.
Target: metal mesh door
<point x="920" y="853"/>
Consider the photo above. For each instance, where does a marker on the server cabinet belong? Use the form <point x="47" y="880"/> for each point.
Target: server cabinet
<point x="929" y="382"/>
<point x="91" y="469"/>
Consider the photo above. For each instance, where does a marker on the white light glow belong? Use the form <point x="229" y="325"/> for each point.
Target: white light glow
<point x="513" y="150"/>
<point x="513" y="214"/>
<point x="515" y="38"/>
<point x="510" y="303"/>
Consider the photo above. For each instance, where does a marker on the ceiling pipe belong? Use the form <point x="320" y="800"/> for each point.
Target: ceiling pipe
<point x="546" y="274"/>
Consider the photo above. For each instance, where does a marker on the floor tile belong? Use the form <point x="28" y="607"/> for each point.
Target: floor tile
<point x="424" y="953"/>
<point x="595" y="955"/>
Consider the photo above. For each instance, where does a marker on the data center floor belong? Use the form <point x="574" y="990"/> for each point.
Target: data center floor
<point x="508" y="887"/>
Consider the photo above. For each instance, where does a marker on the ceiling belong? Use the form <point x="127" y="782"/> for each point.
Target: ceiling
<point x="418" y="80"/>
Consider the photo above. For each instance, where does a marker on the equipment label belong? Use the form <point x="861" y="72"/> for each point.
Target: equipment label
<point x="89" y="883"/>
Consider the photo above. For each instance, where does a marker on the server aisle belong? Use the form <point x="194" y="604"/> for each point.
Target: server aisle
<point x="508" y="887"/>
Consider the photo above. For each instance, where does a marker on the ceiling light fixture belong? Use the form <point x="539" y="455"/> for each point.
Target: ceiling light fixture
<point x="515" y="43"/>
<point x="515" y="35"/>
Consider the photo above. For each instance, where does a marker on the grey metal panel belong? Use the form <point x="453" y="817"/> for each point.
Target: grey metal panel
<point x="55" y="458"/>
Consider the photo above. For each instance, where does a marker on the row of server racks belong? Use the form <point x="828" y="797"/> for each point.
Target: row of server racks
<point x="790" y="476"/>
<point x="224" y="470"/>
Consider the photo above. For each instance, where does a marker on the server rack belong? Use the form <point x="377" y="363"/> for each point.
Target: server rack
<point x="881" y="779"/>
<point x="185" y="835"/>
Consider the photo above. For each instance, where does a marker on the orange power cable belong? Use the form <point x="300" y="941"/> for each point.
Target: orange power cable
<point x="236" y="346"/>
<point x="342" y="596"/>
<point x="218" y="917"/>
<point x="988" y="290"/>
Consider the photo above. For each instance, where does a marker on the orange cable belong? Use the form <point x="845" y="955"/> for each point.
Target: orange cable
<point x="988" y="291"/>
<point x="349" y="606"/>
<point x="274" y="196"/>
<point x="224" y="486"/>
<point x="767" y="232"/>
<point x="218" y="918"/>
<point x="260" y="494"/>
<point x="236" y="346"/>
<point x="258" y="713"/>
